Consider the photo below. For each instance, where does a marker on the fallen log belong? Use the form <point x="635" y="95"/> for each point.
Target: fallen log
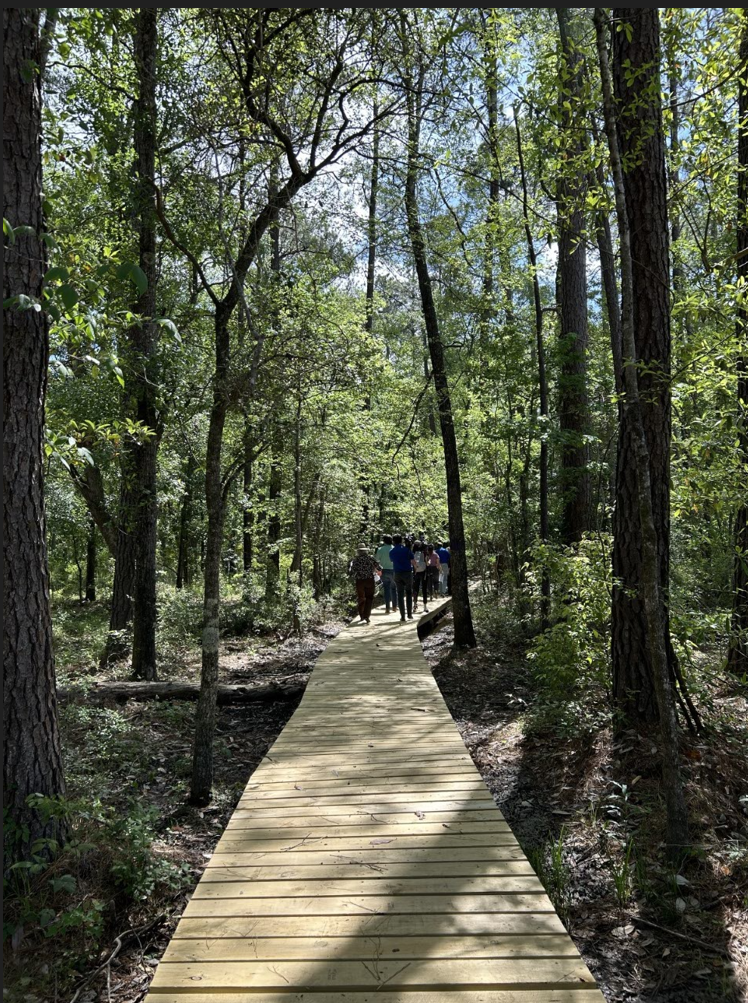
<point x="121" y="692"/>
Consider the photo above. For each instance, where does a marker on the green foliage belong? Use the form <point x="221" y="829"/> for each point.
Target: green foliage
<point x="570" y="661"/>
<point x="69" y="895"/>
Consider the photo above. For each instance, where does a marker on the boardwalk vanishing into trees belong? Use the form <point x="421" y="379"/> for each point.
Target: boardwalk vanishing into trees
<point x="366" y="855"/>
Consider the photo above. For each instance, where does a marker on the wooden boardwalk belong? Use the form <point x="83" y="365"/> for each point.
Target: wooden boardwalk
<point x="367" y="861"/>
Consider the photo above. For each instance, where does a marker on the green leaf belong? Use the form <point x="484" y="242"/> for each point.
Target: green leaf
<point x="138" y="278"/>
<point x="69" y="296"/>
<point x="8" y="231"/>
<point x="58" y="272"/>
<point x="171" y="327"/>
<point x="65" y="883"/>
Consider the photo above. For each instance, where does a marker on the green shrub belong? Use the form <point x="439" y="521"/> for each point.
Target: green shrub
<point x="570" y="661"/>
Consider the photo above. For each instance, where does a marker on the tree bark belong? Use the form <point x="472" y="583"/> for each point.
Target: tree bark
<point x="117" y="644"/>
<point x="737" y="655"/>
<point x="642" y="147"/>
<point x="248" y="519"/>
<point x="31" y="743"/>
<point x="143" y="350"/>
<point x="275" y="488"/>
<point x="91" y="553"/>
<point x="545" y="582"/>
<point x="184" y="546"/>
<point x="90" y="485"/>
<point x="572" y="293"/>
<point x="647" y="106"/>
<point x="464" y="633"/>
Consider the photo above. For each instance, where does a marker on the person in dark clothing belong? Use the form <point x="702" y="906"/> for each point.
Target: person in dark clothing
<point x="432" y="571"/>
<point x="362" y="569"/>
<point x="402" y="563"/>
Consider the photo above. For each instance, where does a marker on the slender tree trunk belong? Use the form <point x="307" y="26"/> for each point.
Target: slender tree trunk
<point x="645" y="39"/>
<point x="641" y="141"/>
<point x="248" y="519"/>
<point x="572" y="292"/>
<point x="143" y="348"/>
<point x="184" y="568"/>
<point x="32" y="757"/>
<point x="371" y="271"/>
<point x="545" y="583"/>
<point x="275" y="488"/>
<point x="205" y="715"/>
<point x="91" y="551"/>
<point x="737" y="656"/>
<point x="90" y="485"/>
<point x="464" y="634"/>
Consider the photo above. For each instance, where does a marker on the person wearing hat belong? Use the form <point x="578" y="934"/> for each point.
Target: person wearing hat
<point x="362" y="569"/>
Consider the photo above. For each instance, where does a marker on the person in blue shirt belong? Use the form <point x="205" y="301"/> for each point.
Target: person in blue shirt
<point x="443" y="569"/>
<point x="402" y="564"/>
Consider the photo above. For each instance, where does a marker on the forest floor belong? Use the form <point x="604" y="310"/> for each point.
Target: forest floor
<point x="584" y="809"/>
<point x="587" y="813"/>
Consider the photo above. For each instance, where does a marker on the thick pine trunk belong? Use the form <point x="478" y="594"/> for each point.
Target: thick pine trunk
<point x="142" y="349"/>
<point x="737" y="656"/>
<point x="642" y="146"/>
<point x="464" y="633"/>
<point x="31" y="743"/>
<point x="650" y="590"/>
<point x="573" y="409"/>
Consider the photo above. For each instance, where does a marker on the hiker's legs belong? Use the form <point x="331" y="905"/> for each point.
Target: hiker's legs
<point x="390" y="591"/>
<point x="361" y="597"/>
<point x="404" y="586"/>
<point x="368" y="597"/>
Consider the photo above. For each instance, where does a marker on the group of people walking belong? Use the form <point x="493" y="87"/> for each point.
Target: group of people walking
<point x="407" y="568"/>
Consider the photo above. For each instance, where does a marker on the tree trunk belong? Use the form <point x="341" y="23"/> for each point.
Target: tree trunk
<point x="117" y="644"/>
<point x="90" y="485"/>
<point x="464" y="634"/>
<point x="572" y="292"/>
<point x="143" y="349"/>
<point x="248" y="519"/>
<point x="91" y="550"/>
<point x="545" y="582"/>
<point x="275" y="487"/>
<point x="737" y="656"/>
<point x="642" y="148"/>
<point x="646" y="104"/>
<point x="205" y="715"/>
<point x="31" y="743"/>
<point x="184" y="566"/>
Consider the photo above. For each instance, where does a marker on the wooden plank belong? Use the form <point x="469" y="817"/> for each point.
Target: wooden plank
<point x="363" y="924"/>
<point x="348" y="976"/>
<point x="243" y="840"/>
<point x="228" y="868"/>
<point x="372" y="884"/>
<point x="375" y="905"/>
<point x="313" y="827"/>
<point x="346" y="799"/>
<point x="446" y="810"/>
<point x="369" y="948"/>
<point x="558" y="994"/>
<point x="379" y="856"/>
<point x="361" y="785"/>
